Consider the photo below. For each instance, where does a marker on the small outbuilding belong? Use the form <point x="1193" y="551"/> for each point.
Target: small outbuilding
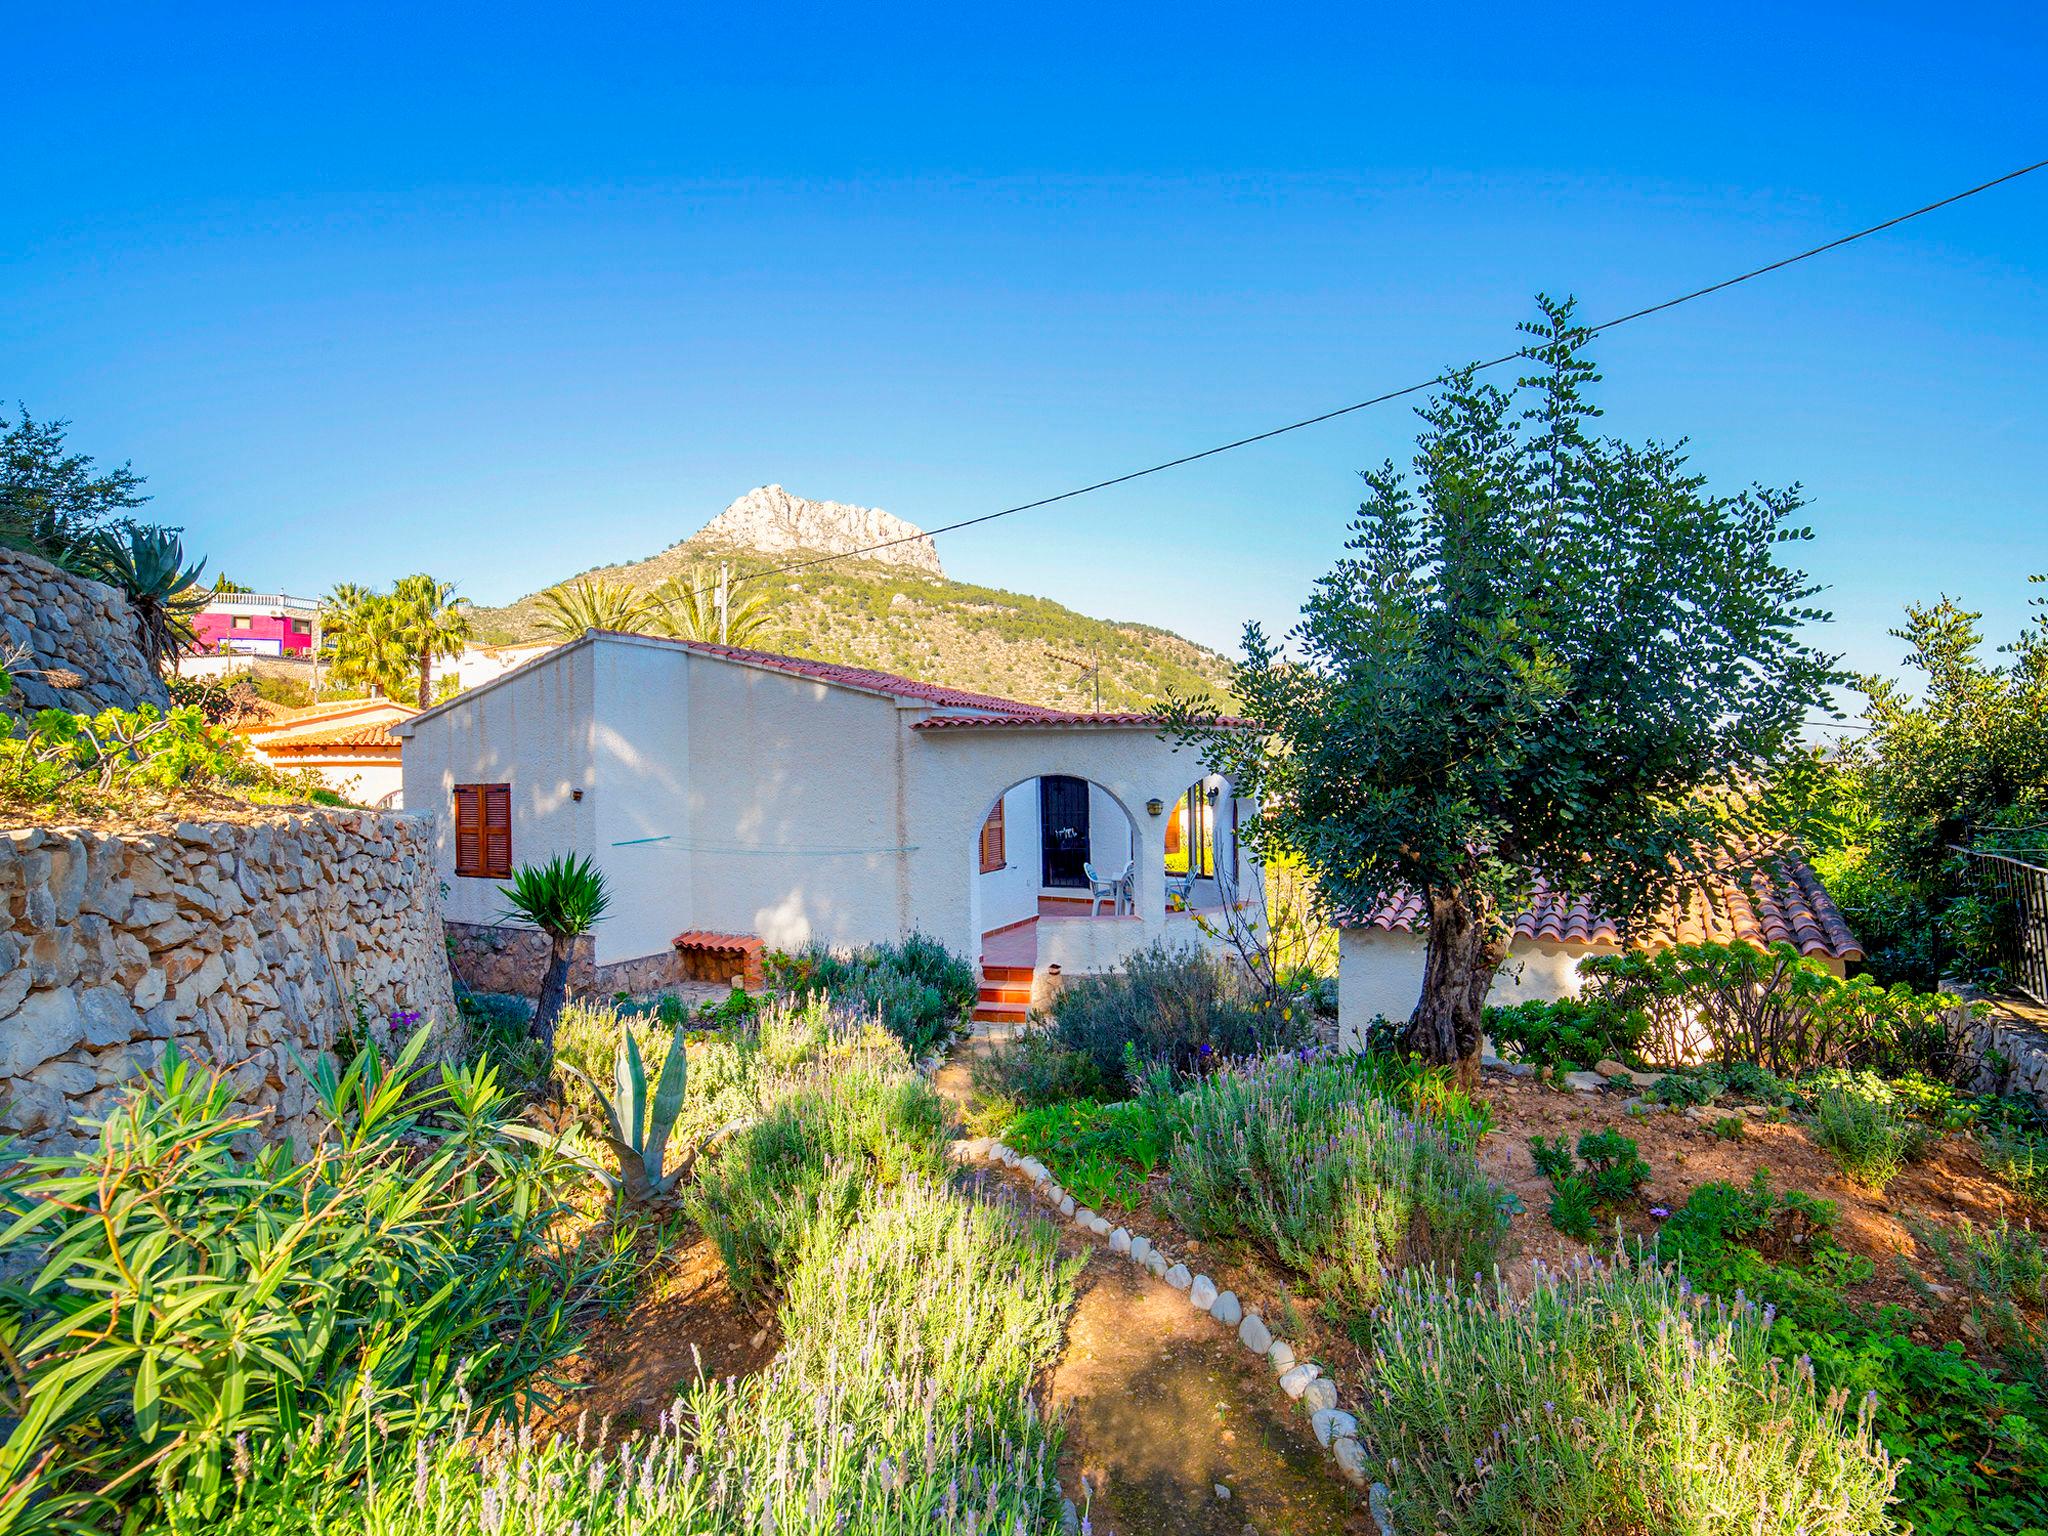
<point x="1759" y="899"/>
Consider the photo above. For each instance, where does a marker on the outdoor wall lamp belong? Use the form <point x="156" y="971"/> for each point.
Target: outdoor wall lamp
<point x="1154" y="806"/>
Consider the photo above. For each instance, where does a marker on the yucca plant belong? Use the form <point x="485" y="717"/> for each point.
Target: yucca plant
<point x="564" y="898"/>
<point x="637" y="1128"/>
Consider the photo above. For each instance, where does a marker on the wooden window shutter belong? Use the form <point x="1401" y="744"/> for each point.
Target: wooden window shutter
<point x="483" y="831"/>
<point x="498" y="831"/>
<point x="993" y="854"/>
<point x="469" y="829"/>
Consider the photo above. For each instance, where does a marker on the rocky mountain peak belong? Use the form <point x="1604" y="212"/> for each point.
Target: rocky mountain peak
<point x="771" y="520"/>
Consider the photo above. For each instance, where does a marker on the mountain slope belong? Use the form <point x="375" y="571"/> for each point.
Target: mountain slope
<point x="906" y="618"/>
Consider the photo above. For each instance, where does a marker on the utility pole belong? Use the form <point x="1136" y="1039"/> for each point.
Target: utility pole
<point x="1089" y="667"/>
<point x="724" y="597"/>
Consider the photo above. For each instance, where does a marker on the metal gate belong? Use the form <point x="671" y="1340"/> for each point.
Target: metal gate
<point x="2017" y="892"/>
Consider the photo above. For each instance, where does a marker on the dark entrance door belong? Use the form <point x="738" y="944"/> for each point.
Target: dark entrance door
<point x="1063" y="824"/>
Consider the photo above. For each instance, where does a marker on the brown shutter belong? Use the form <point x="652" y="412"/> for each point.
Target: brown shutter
<point x="993" y="853"/>
<point x="498" y="831"/>
<point x="469" y="829"/>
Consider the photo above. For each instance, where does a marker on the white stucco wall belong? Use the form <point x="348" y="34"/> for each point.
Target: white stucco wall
<point x="740" y="799"/>
<point x="1379" y="975"/>
<point x="531" y="730"/>
<point x="1010" y="894"/>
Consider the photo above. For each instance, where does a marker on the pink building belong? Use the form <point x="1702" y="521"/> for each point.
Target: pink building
<point x="257" y="623"/>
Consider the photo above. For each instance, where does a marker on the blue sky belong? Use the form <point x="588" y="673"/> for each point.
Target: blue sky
<point x="509" y="293"/>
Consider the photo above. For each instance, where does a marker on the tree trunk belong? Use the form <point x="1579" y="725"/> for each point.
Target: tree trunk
<point x="1465" y="947"/>
<point x="426" y="679"/>
<point x="554" y="991"/>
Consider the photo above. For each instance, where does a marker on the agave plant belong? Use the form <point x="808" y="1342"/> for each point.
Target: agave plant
<point x="148" y="565"/>
<point x="569" y="610"/>
<point x="637" y="1127"/>
<point x="564" y="898"/>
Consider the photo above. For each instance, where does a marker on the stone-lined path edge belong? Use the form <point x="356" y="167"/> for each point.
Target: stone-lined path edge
<point x="1302" y="1381"/>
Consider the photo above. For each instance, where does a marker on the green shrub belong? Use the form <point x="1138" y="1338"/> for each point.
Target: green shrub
<point x="2004" y="1269"/>
<point x="922" y="992"/>
<point x="1749" y="1083"/>
<point x="1730" y="1128"/>
<point x="1611" y="1176"/>
<point x="1338" y="1184"/>
<point x="809" y="1162"/>
<point x="1687" y="1089"/>
<point x="1186" y="1008"/>
<point x="1870" y="1136"/>
<point x="901" y="1404"/>
<point x="1608" y="1399"/>
<point x="194" y="1291"/>
<point x="1101" y="1153"/>
<point x="1769" y="1008"/>
<point x="1572" y="1208"/>
<point x="1030" y="1071"/>
<point x="1566" y="1034"/>
<point x="2018" y="1158"/>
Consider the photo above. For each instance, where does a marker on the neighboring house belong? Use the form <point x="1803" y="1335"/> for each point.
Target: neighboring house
<point x="736" y="799"/>
<point x="257" y="623"/>
<point x="1760" y="900"/>
<point x="348" y="744"/>
<point x="480" y="664"/>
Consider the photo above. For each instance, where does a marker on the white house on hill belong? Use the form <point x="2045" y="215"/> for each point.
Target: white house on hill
<point x="736" y="799"/>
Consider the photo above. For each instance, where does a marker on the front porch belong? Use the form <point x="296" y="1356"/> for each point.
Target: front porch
<point x="1065" y="938"/>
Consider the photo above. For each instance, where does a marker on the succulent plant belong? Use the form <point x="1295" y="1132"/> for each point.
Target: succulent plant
<point x="638" y="1127"/>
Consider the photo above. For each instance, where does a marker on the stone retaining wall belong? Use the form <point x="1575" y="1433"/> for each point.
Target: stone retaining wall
<point x="240" y="942"/>
<point x="79" y="639"/>
<point x="500" y="957"/>
<point x="2007" y="1040"/>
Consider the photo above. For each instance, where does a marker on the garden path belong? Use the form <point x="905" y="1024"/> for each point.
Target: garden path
<point x="1163" y="1408"/>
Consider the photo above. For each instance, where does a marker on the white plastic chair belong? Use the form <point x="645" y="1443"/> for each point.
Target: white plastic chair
<point x="1103" y="888"/>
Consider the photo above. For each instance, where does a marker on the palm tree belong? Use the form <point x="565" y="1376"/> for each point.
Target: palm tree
<point x="148" y="565"/>
<point x="685" y="607"/>
<point x="433" y="622"/>
<point x="365" y="638"/>
<point x="564" y="898"/>
<point x="590" y="602"/>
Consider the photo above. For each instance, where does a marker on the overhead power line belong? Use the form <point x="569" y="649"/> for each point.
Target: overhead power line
<point x="1418" y="387"/>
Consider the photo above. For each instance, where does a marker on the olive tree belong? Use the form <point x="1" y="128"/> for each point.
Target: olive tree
<point x="1545" y="654"/>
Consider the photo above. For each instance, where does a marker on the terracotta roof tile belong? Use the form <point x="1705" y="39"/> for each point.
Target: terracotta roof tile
<point x="1040" y="718"/>
<point x="1759" y="899"/>
<point x="375" y="737"/>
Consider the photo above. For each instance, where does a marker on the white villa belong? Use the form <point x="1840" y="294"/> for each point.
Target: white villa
<point x="736" y="799"/>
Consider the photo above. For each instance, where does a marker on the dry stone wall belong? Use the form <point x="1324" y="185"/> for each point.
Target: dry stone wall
<point x="240" y="942"/>
<point x="76" y="639"/>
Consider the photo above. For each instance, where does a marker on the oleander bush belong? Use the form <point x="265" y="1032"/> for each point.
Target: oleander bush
<point x="922" y="991"/>
<point x="1609" y="1397"/>
<point x="1301" y="1156"/>
<point x="181" y="1292"/>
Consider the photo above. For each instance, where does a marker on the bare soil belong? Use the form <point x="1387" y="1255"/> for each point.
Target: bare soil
<point x="686" y="1327"/>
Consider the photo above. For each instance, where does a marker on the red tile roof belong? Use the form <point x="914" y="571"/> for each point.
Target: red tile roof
<point x="1757" y="899"/>
<point x="999" y="711"/>
<point x="362" y="739"/>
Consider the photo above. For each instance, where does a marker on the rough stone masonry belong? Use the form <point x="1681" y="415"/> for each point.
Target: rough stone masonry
<point x="70" y="643"/>
<point x="241" y="942"/>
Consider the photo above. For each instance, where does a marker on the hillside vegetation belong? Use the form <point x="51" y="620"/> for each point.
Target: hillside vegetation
<point x="866" y="614"/>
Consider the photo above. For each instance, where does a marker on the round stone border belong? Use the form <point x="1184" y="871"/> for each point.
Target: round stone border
<point x="1302" y="1381"/>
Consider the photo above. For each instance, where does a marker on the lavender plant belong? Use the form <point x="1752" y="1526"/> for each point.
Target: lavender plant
<point x="900" y="1405"/>
<point x="1609" y="1397"/>
<point x="1295" y="1153"/>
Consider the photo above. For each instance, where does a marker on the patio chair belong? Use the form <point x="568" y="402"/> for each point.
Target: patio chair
<point x="1107" y="888"/>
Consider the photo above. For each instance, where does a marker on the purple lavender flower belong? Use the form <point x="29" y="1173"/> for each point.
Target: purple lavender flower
<point x="1659" y="1212"/>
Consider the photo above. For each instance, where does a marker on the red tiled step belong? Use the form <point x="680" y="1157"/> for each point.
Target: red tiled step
<point x="1001" y="1013"/>
<point x="1007" y="973"/>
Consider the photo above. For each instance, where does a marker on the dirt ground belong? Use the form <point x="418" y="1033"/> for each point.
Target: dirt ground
<point x="1684" y="1153"/>
<point x="634" y="1364"/>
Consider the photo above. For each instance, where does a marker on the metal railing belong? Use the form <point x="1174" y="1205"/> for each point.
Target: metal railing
<point x="2016" y="889"/>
